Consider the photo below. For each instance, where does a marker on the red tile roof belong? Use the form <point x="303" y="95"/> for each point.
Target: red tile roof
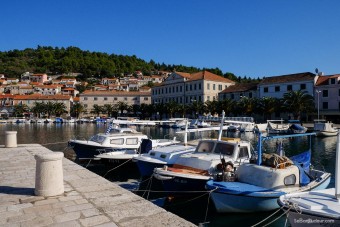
<point x="206" y="75"/>
<point x="42" y="97"/>
<point x="306" y="76"/>
<point x="240" y="87"/>
<point x="113" y="92"/>
<point x="323" y="80"/>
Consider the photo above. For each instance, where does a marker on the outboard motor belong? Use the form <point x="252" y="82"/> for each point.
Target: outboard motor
<point x="145" y="146"/>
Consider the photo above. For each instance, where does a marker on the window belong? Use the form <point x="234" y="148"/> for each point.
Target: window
<point x="232" y="96"/>
<point x="302" y="86"/>
<point x="85" y="105"/>
<point x="125" y="98"/>
<point x="325" y="105"/>
<point x="220" y="87"/>
<point x="290" y="180"/>
<point x="85" y="98"/>
<point x="208" y="86"/>
<point x="214" y="87"/>
<point x="131" y="141"/>
<point x="105" y="98"/>
<point x="95" y="98"/>
<point x="117" y="141"/>
<point x="265" y="89"/>
<point x="195" y="87"/>
<point x="324" y="93"/>
<point x="250" y="95"/>
<point x="190" y="87"/>
<point x="146" y="98"/>
<point x="224" y="148"/>
<point x="115" y="98"/>
<point x="277" y="88"/>
<point x="243" y="152"/>
<point x="332" y="81"/>
<point x="289" y="87"/>
<point x="205" y="146"/>
<point x="199" y="86"/>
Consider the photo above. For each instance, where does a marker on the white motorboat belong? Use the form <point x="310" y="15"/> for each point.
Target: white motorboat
<point x="117" y="156"/>
<point x="322" y="128"/>
<point x="315" y="208"/>
<point x="191" y="171"/>
<point x="259" y="184"/>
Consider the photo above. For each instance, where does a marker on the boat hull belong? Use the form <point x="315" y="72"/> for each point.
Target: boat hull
<point x="175" y="185"/>
<point x="85" y="151"/>
<point x="146" y="168"/>
<point x="246" y="201"/>
<point x="326" y="133"/>
<point x="304" y="219"/>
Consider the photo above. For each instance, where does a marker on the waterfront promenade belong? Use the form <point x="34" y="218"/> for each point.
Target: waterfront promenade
<point x="88" y="200"/>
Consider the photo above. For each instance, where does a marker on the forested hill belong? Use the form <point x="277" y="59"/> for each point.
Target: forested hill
<point x="54" y="60"/>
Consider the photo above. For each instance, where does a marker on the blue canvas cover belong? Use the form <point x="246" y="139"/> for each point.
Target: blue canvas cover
<point x="244" y="189"/>
<point x="296" y="127"/>
<point x="302" y="161"/>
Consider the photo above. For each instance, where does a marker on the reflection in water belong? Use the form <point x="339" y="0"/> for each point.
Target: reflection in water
<point x="55" y="137"/>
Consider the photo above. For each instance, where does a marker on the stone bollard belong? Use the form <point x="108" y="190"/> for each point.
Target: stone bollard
<point x="49" y="179"/>
<point x="11" y="139"/>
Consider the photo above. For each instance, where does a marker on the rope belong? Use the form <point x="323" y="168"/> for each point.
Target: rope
<point x="206" y="212"/>
<point x="53" y="143"/>
<point x="117" y="166"/>
<point x="267" y="217"/>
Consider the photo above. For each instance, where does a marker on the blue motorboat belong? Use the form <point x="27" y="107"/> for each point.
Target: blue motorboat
<point x="257" y="185"/>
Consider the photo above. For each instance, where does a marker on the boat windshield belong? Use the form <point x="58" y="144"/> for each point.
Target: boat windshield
<point x="97" y="138"/>
<point x="205" y="146"/>
<point x="224" y="148"/>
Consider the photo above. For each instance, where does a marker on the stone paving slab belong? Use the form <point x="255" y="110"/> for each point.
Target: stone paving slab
<point x="88" y="200"/>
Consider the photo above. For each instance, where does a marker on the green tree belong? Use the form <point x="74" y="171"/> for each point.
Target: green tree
<point x="20" y="109"/>
<point x="121" y="106"/>
<point x="77" y="109"/>
<point x="296" y="102"/>
<point x="96" y="109"/>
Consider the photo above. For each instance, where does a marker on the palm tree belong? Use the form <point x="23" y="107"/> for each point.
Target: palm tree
<point x="109" y="109"/>
<point x="96" y="109"/>
<point x="59" y="108"/>
<point x="121" y="106"/>
<point x="267" y="106"/>
<point x="77" y="109"/>
<point x="211" y="107"/>
<point x="247" y="105"/>
<point x="228" y="105"/>
<point x="38" y="108"/>
<point x="20" y="109"/>
<point x="297" y="102"/>
<point x="171" y="108"/>
<point x="49" y="108"/>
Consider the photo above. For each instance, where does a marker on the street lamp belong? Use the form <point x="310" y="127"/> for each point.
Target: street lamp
<point x="318" y="93"/>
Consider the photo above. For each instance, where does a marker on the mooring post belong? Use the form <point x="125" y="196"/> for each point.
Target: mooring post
<point x="49" y="179"/>
<point x="11" y="139"/>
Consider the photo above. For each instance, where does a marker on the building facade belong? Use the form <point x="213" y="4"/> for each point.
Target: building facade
<point x="90" y="98"/>
<point x="185" y="88"/>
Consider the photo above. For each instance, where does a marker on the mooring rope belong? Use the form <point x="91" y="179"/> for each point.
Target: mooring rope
<point x="53" y="143"/>
<point x="117" y="166"/>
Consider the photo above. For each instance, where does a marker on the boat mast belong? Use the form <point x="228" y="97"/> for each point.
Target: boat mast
<point x="337" y="169"/>
<point x="221" y="126"/>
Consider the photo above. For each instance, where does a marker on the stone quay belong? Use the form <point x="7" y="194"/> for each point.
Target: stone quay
<point x="86" y="199"/>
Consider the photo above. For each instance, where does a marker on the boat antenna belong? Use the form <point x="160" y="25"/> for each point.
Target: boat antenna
<point x="221" y="126"/>
<point x="259" y="150"/>
<point x="337" y="168"/>
<point x="186" y="133"/>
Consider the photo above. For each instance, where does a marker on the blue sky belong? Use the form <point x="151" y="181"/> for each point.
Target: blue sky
<point x="252" y="38"/>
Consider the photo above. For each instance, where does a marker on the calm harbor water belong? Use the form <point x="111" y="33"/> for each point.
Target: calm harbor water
<point x="196" y="210"/>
